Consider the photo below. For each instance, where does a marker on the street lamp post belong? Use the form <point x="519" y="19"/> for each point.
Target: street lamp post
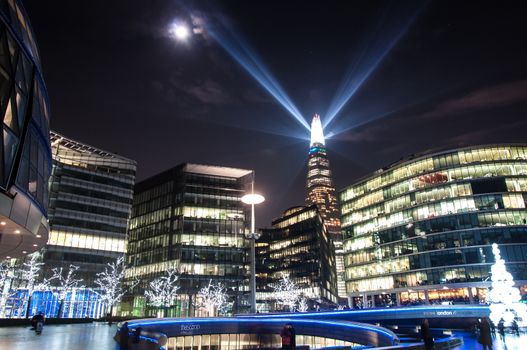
<point x="253" y="199"/>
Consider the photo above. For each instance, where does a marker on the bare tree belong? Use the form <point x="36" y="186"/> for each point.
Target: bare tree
<point x="286" y="292"/>
<point x="65" y="283"/>
<point x="214" y="298"/>
<point x="30" y="273"/>
<point x="163" y="290"/>
<point x="110" y="283"/>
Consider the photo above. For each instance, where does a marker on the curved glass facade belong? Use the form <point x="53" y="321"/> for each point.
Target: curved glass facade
<point x="25" y="157"/>
<point x="420" y="231"/>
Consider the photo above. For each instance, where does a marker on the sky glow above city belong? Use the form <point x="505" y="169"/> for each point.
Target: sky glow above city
<point x="388" y="79"/>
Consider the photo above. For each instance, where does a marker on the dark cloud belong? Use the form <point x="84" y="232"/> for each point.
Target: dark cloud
<point x="488" y="97"/>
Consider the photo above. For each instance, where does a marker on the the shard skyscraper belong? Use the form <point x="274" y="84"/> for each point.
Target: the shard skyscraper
<point x="320" y="191"/>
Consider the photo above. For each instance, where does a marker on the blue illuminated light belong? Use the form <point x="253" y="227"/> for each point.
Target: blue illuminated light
<point x="240" y="51"/>
<point x="387" y="37"/>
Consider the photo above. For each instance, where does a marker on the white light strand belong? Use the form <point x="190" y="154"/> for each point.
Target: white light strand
<point x="286" y="292"/>
<point x="504" y="298"/>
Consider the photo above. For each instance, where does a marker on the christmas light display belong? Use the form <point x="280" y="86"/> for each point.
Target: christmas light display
<point x="504" y="298"/>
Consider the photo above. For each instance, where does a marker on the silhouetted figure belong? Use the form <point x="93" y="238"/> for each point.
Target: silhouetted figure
<point x="515" y="328"/>
<point x="426" y="335"/>
<point x="492" y="328"/>
<point x="123" y="336"/>
<point x="286" y="336"/>
<point x="293" y="337"/>
<point x="484" y="334"/>
<point x="501" y="329"/>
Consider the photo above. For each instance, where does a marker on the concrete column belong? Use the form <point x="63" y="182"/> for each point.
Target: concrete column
<point x="398" y="298"/>
<point x="470" y="295"/>
<point x="373" y="300"/>
<point x="364" y="300"/>
<point x="426" y="297"/>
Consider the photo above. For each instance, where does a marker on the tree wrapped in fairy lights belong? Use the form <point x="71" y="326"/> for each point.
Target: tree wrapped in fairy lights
<point x="286" y="292"/>
<point x="214" y="298"/>
<point x="110" y="283"/>
<point x="65" y="282"/>
<point x="504" y="298"/>
<point x="163" y="290"/>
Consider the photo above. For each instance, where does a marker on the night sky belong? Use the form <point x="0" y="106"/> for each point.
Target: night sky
<point x="441" y="74"/>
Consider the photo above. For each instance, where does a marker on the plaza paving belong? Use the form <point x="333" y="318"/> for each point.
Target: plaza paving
<point x="59" y="337"/>
<point x="100" y="337"/>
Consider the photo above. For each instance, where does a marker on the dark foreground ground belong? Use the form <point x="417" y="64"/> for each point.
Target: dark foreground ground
<point x="95" y="336"/>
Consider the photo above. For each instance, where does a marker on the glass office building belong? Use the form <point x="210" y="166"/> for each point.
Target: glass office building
<point x="25" y="155"/>
<point x="91" y="193"/>
<point x="190" y="218"/>
<point x="420" y="231"/>
<point x="299" y="246"/>
<point x="321" y="192"/>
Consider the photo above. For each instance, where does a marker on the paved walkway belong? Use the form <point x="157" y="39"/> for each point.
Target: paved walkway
<point x="512" y="342"/>
<point x="59" y="337"/>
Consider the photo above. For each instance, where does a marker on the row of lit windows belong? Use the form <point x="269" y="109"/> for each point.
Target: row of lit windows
<point x="306" y="215"/>
<point x="149" y="231"/>
<point x="425" y="277"/>
<point x="108" y="218"/>
<point x="435" y="163"/>
<point x="90" y="185"/>
<point x="434" y="179"/>
<point x="436" y="241"/>
<point x="437" y="193"/>
<point x="370" y="223"/>
<point x="87" y="241"/>
<point x="275" y="245"/>
<point x="211" y="241"/>
<point x="502" y="218"/>
<point x="212" y="213"/>
<point x="97" y="202"/>
<point x="150" y="218"/>
<point x="248" y="341"/>
<point x="504" y="201"/>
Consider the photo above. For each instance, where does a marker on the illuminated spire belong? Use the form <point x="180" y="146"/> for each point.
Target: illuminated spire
<point x="317" y="135"/>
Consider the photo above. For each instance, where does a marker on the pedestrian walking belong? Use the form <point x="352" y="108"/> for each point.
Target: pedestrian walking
<point x="484" y="338"/>
<point x="501" y="329"/>
<point x="426" y="335"/>
<point x="515" y="328"/>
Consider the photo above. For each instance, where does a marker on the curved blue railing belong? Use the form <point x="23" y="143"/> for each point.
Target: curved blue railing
<point x="358" y="333"/>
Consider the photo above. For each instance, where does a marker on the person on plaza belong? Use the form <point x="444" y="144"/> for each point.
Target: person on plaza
<point x="426" y="335"/>
<point x="36" y="319"/>
<point x="492" y="328"/>
<point x="484" y="338"/>
<point x="286" y="336"/>
<point x="501" y="329"/>
<point x="293" y="337"/>
<point x="515" y="328"/>
<point x="123" y="336"/>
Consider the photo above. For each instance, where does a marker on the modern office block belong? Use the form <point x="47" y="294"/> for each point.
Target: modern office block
<point x="25" y="155"/>
<point x="190" y="218"/>
<point x="299" y="246"/>
<point x="91" y="193"/>
<point x="421" y="230"/>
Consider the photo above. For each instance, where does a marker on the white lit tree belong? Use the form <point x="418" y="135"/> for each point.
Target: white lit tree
<point x="163" y="290"/>
<point x="5" y="270"/>
<point x="303" y="305"/>
<point x="504" y="298"/>
<point x="286" y="292"/>
<point x="110" y="283"/>
<point x="65" y="283"/>
<point x="214" y="298"/>
<point x="30" y="274"/>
